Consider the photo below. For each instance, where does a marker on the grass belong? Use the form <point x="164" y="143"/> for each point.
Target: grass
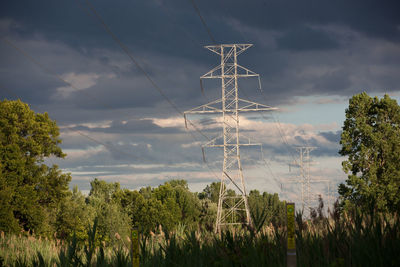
<point x="352" y="239"/>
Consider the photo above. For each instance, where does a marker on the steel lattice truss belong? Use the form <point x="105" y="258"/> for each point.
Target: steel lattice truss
<point x="232" y="209"/>
<point x="304" y="180"/>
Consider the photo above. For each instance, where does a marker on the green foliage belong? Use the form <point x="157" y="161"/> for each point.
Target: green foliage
<point x="112" y="221"/>
<point x="208" y="213"/>
<point x="30" y="191"/>
<point x="181" y="205"/>
<point x="168" y="205"/>
<point x="211" y="192"/>
<point x="266" y="209"/>
<point x="371" y="141"/>
<point x="73" y="216"/>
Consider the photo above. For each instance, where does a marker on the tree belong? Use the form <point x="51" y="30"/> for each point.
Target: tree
<point x="181" y="205"/>
<point x="211" y="192"/>
<point x="29" y="188"/>
<point x="266" y="208"/>
<point x="371" y="141"/>
<point x="113" y="220"/>
<point x="74" y="216"/>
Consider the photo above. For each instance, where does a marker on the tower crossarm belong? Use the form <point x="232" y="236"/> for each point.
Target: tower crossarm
<point x="217" y="142"/>
<point x="246" y="106"/>
<point x="217" y="49"/>
<point x="229" y="72"/>
<point x="206" y="108"/>
<point x="233" y="144"/>
<point x="216" y="107"/>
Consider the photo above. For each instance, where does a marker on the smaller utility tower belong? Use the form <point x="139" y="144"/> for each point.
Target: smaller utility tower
<point x="329" y="196"/>
<point x="232" y="209"/>
<point x="304" y="180"/>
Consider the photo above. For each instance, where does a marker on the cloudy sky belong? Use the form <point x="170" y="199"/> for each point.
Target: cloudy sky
<point x="312" y="56"/>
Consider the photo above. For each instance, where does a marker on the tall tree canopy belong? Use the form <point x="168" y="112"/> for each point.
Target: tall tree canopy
<point x="29" y="189"/>
<point x="371" y="141"/>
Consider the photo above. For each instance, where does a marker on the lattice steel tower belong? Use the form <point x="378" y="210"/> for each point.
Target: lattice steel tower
<point x="232" y="210"/>
<point x="304" y="165"/>
<point x="305" y="180"/>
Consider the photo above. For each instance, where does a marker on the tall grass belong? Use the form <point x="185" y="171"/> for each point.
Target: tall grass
<point x="354" y="239"/>
<point x="351" y="239"/>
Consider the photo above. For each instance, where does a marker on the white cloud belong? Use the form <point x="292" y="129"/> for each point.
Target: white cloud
<point x="78" y="82"/>
<point x="91" y="125"/>
<point x="76" y="154"/>
<point x="193" y="144"/>
<point x="177" y="122"/>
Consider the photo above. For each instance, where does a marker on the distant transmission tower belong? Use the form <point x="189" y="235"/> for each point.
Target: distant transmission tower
<point x="232" y="209"/>
<point x="305" y="179"/>
<point x="304" y="165"/>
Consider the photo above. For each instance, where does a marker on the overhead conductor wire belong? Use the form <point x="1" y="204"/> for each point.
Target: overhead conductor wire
<point x="152" y="82"/>
<point x="32" y="59"/>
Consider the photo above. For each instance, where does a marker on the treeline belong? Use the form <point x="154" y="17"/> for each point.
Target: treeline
<point x="168" y="207"/>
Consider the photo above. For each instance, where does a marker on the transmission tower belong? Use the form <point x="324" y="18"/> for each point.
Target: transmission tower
<point x="232" y="209"/>
<point x="305" y="179"/>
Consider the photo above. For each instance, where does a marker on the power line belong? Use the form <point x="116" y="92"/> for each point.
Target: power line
<point x="203" y="21"/>
<point x="221" y="4"/>
<point x="277" y="180"/>
<point x="49" y="71"/>
<point x="153" y="83"/>
<point x="186" y="33"/>
<point x="130" y="55"/>
<point x="126" y="50"/>
<point x="52" y="73"/>
<point x="188" y="36"/>
<point x="278" y="125"/>
<point x="134" y="60"/>
<point x="25" y="54"/>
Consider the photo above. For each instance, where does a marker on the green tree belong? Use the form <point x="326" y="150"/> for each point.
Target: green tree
<point x="211" y="192"/>
<point x="30" y="190"/>
<point x="181" y="205"/>
<point x="266" y="208"/>
<point x="74" y="216"/>
<point x="371" y="141"/>
<point x="113" y="220"/>
<point x="208" y="214"/>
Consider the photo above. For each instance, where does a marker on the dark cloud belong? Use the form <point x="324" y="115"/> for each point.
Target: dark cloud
<point x="333" y="80"/>
<point x="333" y="137"/>
<point x="372" y="17"/>
<point x="138" y="126"/>
<point x="305" y="38"/>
